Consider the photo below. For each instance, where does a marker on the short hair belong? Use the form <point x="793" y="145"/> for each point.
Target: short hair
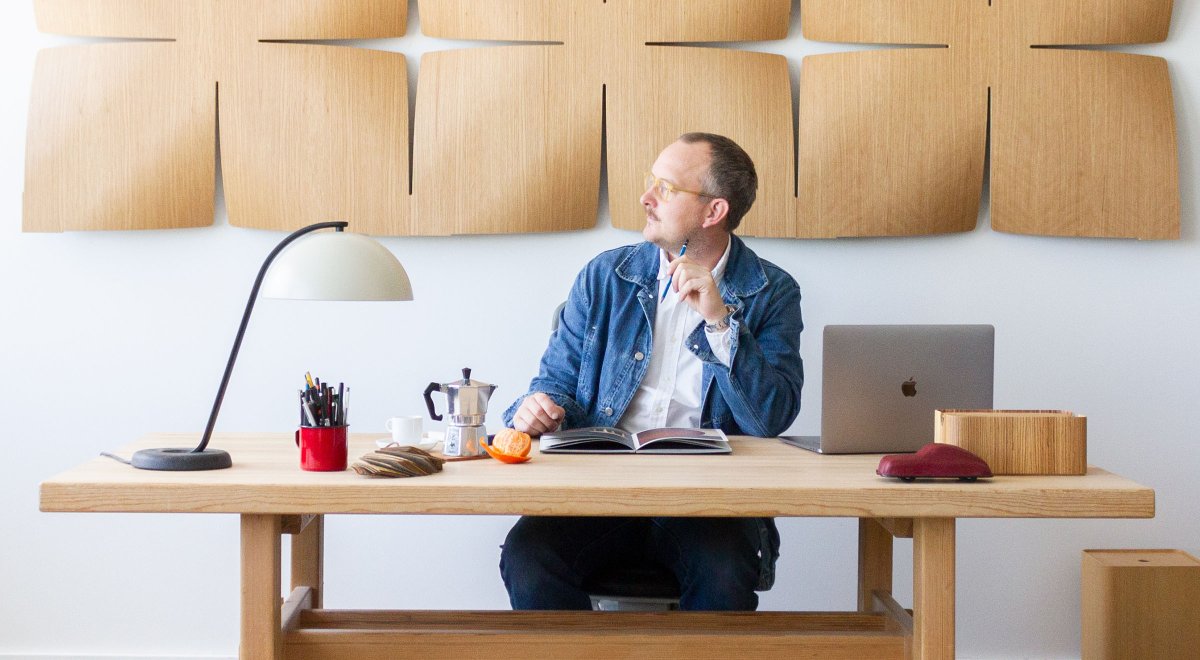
<point x="730" y="176"/>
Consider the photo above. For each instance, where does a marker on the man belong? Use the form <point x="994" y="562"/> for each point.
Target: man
<point x="652" y="336"/>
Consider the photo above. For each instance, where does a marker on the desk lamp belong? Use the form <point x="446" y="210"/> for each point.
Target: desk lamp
<point x="333" y="265"/>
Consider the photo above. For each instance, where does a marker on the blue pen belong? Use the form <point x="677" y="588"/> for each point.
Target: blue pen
<point x="667" y="288"/>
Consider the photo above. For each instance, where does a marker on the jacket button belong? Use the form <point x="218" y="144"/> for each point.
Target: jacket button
<point x="639" y="356"/>
<point x="608" y="411"/>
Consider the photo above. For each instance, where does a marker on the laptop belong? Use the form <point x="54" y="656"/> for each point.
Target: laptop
<point x="881" y="384"/>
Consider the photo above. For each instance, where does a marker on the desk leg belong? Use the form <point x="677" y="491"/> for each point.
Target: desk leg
<point x="933" y="588"/>
<point x="308" y="559"/>
<point x="874" y="562"/>
<point x="262" y="638"/>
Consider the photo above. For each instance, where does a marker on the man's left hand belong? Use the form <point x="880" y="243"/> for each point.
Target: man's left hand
<point x="696" y="287"/>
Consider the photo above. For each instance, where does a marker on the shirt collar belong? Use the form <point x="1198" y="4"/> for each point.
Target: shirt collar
<point x="717" y="272"/>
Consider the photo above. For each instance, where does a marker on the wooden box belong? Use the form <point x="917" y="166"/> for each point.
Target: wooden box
<point x="1140" y="604"/>
<point x="1018" y="441"/>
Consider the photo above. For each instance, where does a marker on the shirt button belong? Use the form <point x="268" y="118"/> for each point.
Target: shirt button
<point x="639" y="356"/>
<point x="608" y="411"/>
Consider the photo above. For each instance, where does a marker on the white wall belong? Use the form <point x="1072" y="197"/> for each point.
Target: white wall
<point x="107" y="336"/>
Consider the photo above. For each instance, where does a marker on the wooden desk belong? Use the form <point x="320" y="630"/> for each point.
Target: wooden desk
<point x="761" y="478"/>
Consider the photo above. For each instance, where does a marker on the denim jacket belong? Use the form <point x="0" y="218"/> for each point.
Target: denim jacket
<point x="597" y="357"/>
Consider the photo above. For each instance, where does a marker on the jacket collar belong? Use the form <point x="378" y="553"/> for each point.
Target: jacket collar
<point x="744" y="274"/>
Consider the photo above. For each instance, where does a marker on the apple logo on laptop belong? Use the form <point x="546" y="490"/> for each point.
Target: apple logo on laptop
<point x="909" y="387"/>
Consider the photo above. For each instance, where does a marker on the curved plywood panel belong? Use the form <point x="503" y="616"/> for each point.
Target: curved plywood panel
<point x="310" y="132"/>
<point x="647" y="112"/>
<point x="1084" y="145"/>
<point x="507" y="140"/>
<point x="1070" y="22"/>
<point x="891" y="144"/>
<point x="117" y="140"/>
<point x="132" y="19"/>
<point x="477" y="108"/>
<point x="886" y="21"/>
<point x="494" y="20"/>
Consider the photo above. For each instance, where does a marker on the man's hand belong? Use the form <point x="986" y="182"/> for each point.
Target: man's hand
<point x="538" y="414"/>
<point x="697" y="288"/>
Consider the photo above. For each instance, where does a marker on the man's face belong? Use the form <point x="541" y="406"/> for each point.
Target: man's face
<point x="669" y="223"/>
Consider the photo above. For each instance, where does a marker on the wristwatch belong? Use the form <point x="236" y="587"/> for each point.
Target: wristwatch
<point x="722" y="324"/>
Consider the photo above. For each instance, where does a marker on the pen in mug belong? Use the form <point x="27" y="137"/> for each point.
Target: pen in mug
<point x="667" y="288"/>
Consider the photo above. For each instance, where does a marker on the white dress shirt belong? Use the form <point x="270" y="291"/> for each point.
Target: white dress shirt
<point x="669" y="395"/>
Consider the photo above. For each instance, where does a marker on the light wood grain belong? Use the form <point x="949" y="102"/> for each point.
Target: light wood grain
<point x="763" y="477"/>
<point x="545" y="108"/>
<point x="300" y="600"/>
<point x="874" y="562"/>
<point x="666" y="82"/>
<point x="530" y="162"/>
<point x="891" y="144"/>
<point x="520" y="635"/>
<point x="261" y="633"/>
<point x="1083" y="143"/>
<point x="1140" y="604"/>
<point x="118" y="140"/>
<point x="1018" y="441"/>
<point x="933" y="588"/>
<point x="308" y="561"/>
<point x="314" y="133"/>
<point x="123" y="136"/>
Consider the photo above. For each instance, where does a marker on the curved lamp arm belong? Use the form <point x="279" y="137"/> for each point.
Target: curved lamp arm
<point x="237" y="343"/>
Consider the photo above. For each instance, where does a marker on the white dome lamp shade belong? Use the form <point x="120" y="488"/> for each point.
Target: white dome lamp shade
<point x="333" y="265"/>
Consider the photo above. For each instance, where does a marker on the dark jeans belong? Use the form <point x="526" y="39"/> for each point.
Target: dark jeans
<point x="544" y="560"/>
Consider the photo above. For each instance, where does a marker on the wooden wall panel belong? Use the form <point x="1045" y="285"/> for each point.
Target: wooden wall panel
<point x="891" y="144"/>
<point x="1084" y="145"/>
<point x="652" y="96"/>
<point x="496" y="20"/>
<point x="117" y="140"/>
<point x="135" y="19"/>
<point x="123" y="136"/>
<point x="311" y="133"/>
<point x="694" y="21"/>
<point x="1067" y="22"/>
<point x="507" y="140"/>
<point x="885" y="21"/>
<point x="334" y="19"/>
<point x="648" y="111"/>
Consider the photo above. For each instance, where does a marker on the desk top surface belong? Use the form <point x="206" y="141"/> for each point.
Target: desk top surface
<point x="763" y="477"/>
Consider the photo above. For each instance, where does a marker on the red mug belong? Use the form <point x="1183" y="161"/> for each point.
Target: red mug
<point x="322" y="448"/>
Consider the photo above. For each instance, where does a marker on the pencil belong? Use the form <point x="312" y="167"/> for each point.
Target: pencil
<point x="667" y="288"/>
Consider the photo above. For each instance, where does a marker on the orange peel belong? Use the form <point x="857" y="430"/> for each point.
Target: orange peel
<point x="502" y="457"/>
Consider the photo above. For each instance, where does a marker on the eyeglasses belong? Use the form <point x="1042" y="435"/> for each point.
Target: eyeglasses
<point x="664" y="189"/>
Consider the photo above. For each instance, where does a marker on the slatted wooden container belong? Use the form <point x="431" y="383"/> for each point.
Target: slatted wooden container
<point x="1018" y="441"/>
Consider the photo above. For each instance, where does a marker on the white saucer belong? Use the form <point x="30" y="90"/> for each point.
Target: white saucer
<point x="429" y="440"/>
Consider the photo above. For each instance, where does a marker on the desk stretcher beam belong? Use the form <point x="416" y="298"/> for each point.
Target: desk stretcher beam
<point x="501" y="635"/>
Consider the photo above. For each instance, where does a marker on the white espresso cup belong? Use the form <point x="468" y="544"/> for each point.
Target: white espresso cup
<point x="407" y="431"/>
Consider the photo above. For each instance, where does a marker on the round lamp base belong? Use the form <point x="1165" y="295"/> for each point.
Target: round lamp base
<point x="181" y="459"/>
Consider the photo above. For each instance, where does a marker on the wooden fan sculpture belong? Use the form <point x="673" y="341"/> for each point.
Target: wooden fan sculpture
<point x="123" y="135"/>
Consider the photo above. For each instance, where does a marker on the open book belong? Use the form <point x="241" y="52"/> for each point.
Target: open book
<point x="605" y="440"/>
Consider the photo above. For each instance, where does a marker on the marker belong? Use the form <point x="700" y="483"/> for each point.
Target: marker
<point x="667" y="288"/>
